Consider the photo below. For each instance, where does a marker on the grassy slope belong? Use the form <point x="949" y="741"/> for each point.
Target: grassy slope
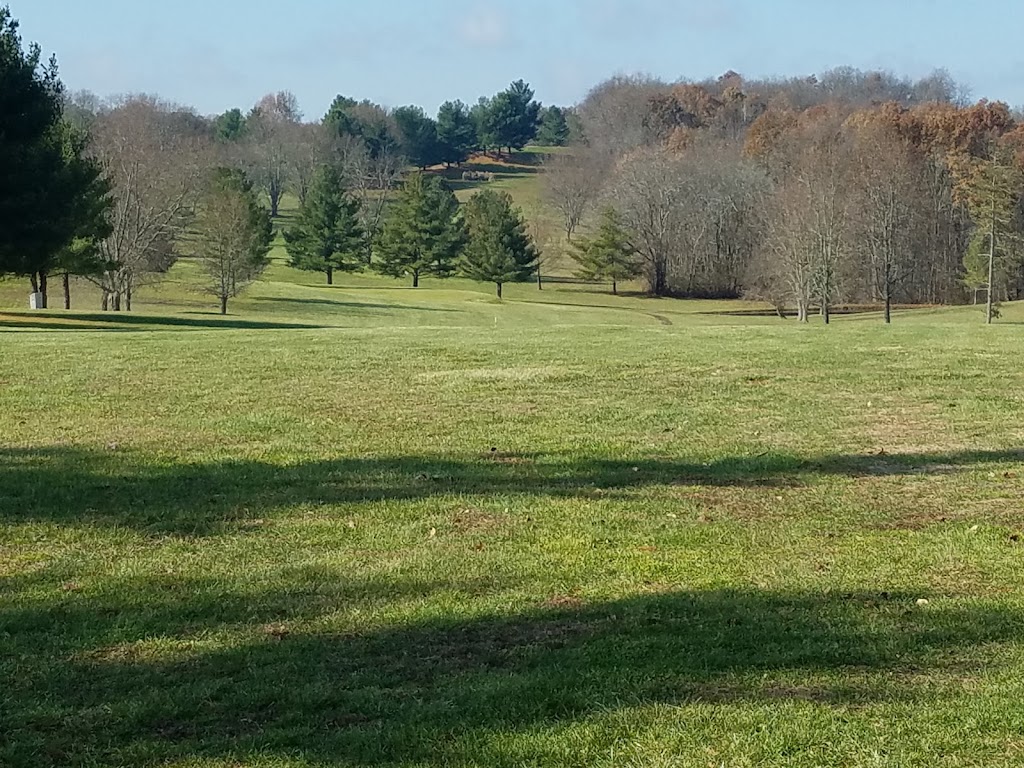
<point x="284" y="539"/>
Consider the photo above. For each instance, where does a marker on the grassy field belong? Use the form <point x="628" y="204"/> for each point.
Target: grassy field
<point x="375" y="526"/>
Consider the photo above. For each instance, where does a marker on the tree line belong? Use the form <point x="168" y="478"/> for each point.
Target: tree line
<point x="116" y="191"/>
<point x="809" y="193"/>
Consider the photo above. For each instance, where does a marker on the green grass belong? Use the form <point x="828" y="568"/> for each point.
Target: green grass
<point x="375" y="526"/>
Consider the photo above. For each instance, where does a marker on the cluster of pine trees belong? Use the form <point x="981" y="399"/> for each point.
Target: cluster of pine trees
<point x="425" y="233"/>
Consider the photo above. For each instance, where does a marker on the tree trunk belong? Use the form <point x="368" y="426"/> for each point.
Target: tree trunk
<point x="223" y="305"/>
<point x="540" y="280"/>
<point x="67" y="290"/>
<point x="991" y="266"/>
<point x="826" y="314"/>
<point x="615" y="287"/>
<point x="105" y="301"/>
<point x="499" y="289"/>
<point x="888" y="306"/>
<point x="415" y="278"/>
<point x="330" y="275"/>
<point x="128" y="298"/>
<point x="659" y="285"/>
<point x="275" y="203"/>
<point x="35" y="282"/>
<point x="42" y="287"/>
<point x="117" y="301"/>
<point x="780" y="311"/>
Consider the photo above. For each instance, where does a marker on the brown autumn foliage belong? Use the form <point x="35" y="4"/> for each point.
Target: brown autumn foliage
<point x="854" y="186"/>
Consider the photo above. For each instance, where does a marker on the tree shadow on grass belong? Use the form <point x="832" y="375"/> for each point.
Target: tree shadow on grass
<point x="116" y="488"/>
<point x="112" y="321"/>
<point x="444" y="691"/>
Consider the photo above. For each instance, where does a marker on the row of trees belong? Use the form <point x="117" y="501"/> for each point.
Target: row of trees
<point x="109" y="198"/>
<point x="425" y="232"/>
<point x="117" y="191"/>
<point x="855" y="188"/>
<point x="282" y="152"/>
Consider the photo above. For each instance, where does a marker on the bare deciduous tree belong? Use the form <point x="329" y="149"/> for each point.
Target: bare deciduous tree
<point x="369" y="177"/>
<point x="156" y="171"/>
<point x="888" y="212"/>
<point x="270" y="133"/>
<point x="571" y="183"/>
<point x="234" y="233"/>
<point x="308" y="150"/>
<point x="650" y="193"/>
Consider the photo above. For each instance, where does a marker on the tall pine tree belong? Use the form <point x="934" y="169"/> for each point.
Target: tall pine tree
<point x="327" y="237"/>
<point x="49" y="188"/>
<point x="554" y="128"/>
<point x="456" y="132"/>
<point x="609" y="255"/>
<point x="418" y="136"/>
<point x="500" y="250"/>
<point x="424" y="233"/>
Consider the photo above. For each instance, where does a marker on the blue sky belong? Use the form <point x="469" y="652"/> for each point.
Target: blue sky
<point x="215" y="54"/>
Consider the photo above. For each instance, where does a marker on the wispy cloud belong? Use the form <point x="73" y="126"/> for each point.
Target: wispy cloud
<point x="484" y="25"/>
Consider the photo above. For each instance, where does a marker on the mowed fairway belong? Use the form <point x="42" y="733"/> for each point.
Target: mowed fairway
<point x="373" y="526"/>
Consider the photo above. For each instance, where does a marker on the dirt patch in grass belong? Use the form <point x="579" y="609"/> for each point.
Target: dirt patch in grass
<point x="472" y="520"/>
<point x="899" y="426"/>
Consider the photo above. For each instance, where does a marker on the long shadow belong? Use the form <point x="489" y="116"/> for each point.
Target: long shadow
<point x="351" y="304"/>
<point x="79" y="486"/>
<point x="443" y="691"/>
<point x="75" y="321"/>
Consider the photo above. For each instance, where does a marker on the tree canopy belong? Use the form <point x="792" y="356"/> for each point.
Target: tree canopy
<point x="554" y="128"/>
<point x="500" y="250"/>
<point x="51" y="192"/>
<point x="327" y="236"/>
<point x="424" y="233"/>
<point x="234" y="232"/>
<point x="608" y="255"/>
<point x="456" y="132"/>
<point x="418" y="136"/>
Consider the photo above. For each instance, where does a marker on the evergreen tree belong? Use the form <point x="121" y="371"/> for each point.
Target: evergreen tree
<point x="418" y="135"/>
<point x="512" y="116"/>
<point x="484" y="117"/>
<point x="456" y="132"/>
<point x="235" y="232"/>
<point x="229" y="126"/>
<point x="609" y="255"/>
<point x="327" y="236"/>
<point x="500" y="250"/>
<point x="368" y="122"/>
<point x="424" y="233"/>
<point x="339" y="117"/>
<point x="554" y="129"/>
<point x="45" y="177"/>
